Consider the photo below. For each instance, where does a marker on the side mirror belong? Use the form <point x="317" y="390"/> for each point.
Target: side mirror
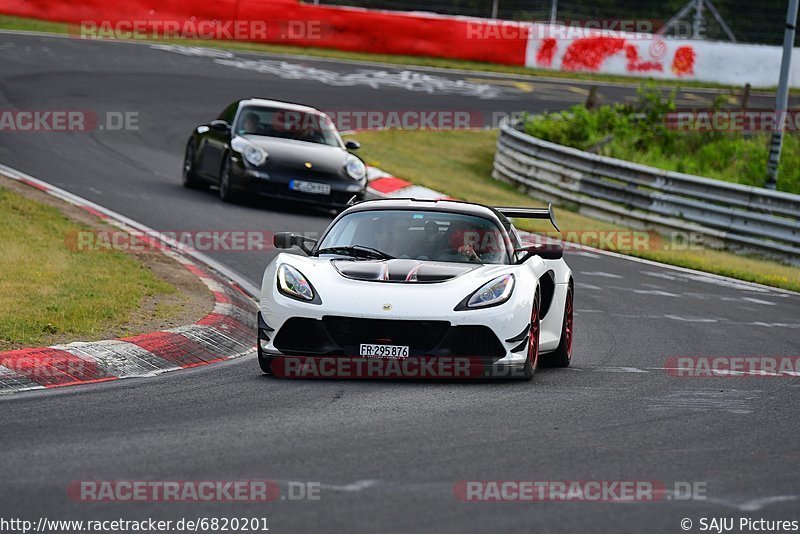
<point x="352" y="144"/>
<point x="283" y="240"/>
<point x="546" y="251"/>
<point x="220" y="126"/>
<point x="287" y="240"/>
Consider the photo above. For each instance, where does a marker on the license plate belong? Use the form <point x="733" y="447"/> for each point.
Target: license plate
<point x="383" y="351"/>
<point x="310" y="187"/>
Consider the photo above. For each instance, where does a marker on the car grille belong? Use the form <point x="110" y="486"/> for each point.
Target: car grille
<point x="341" y="336"/>
<point x="417" y="335"/>
<point x="301" y="336"/>
<point x="479" y="341"/>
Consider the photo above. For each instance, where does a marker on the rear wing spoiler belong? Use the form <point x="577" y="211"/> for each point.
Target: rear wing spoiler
<point x="532" y="213"/>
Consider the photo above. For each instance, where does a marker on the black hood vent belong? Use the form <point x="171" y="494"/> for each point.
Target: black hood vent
<point x="402" y="271"/>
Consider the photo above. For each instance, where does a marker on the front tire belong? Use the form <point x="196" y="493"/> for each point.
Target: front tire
<point x="189" y="178"/>
<point x="264" y="362"/>
<point x="226" y="193"/>
<point x="532" y="361"/>
<point x="562" y="356"/>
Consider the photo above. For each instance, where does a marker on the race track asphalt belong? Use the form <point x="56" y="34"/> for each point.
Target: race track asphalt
<point x="387" y="454"/>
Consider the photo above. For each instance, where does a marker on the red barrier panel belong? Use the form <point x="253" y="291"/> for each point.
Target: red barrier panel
<point x="76" y="11"/>
<point x="349" y="29"/>
<point x="384" y="32"/>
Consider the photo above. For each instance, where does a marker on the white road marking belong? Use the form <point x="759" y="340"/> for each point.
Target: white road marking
<point x="734" y="401"/>
<point x="754" y="505"/>
<point x="772" y="325"/>
<point x="376" y="79"/>
<point x="600" y="273"/>
<point x="195" y="51"/>
<point x="718" y="373"/>
<point x="723" y="282"/>
<point x="358" y="485"/>
<point x="655" y="292"/>
<point x="701" y="296"/>
<point x="758" y="301"/>
<point x="623" y="370"/>
<point x="589" y="286"/>
<point x="691" y="319"/>
<point x="665" y="276"/>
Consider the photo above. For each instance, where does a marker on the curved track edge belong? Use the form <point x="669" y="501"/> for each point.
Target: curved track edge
<point x="225" y="333"/>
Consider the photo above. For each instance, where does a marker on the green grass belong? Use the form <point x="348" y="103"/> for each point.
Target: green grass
<point x="732" y="159"/>
<point x="48" y="291"/>
<point x="640" y="133"/>
<point x="27" y="24"/>
<point x="31" y="25"/>
<point x="459" y="164"/>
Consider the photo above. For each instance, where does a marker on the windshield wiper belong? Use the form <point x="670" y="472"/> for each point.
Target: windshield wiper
<point x="358" y="251"/>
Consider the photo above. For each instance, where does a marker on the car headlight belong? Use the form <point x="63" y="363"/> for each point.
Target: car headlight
<point x="495" y="292"/>
<point x="293" y="284"/>
<point x="251" y="153"/>
<point x="355" y="168"/>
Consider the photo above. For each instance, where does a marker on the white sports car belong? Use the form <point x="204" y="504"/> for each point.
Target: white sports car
<point x="397" y="287"/>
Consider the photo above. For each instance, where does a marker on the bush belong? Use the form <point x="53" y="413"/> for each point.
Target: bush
<point x="640" y="133"/>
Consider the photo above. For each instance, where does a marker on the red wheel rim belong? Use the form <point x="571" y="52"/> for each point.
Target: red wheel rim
<point x="533" y="343"/>
<point x="568" y="323"/>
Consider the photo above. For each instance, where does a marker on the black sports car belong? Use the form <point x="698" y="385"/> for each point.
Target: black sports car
<point x="275" y="149"/>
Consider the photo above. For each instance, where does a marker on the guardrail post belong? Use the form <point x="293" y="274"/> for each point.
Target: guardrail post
<point x="782" y="100"/>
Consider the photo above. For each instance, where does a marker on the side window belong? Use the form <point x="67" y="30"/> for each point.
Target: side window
<point x="516" y="242"/>
<point x="515" y="239"/>
<point x="229" y="113"/>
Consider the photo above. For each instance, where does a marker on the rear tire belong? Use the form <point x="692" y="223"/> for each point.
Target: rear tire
<point x="532" y="361"/>
<point x="562" y="356"/>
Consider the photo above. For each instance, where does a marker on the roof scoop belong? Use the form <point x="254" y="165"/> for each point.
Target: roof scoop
<point x="401" y="270"/>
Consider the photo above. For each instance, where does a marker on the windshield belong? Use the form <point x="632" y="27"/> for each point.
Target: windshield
<point x="420" y="235"/>
<point x="287" y="124"/>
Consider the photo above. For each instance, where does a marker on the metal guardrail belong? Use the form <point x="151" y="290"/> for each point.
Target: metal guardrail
<point x="733" y="215"/>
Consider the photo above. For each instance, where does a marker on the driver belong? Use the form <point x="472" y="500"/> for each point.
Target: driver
<point x="250" y="123"/>
<point x="459" y="246"/>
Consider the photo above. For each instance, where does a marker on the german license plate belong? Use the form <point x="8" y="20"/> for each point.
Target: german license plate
<point x="315" y="188"/>
<point x="383" y="351"/>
